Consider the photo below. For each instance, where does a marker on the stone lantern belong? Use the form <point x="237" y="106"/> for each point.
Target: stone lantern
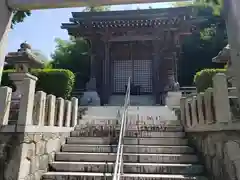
<point x="224" y="57"/>
<point x="23" y="60"/>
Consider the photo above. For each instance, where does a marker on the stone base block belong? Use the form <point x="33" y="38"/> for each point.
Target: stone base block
<point x="90" y="98"/>
<point x="173" y="99"/>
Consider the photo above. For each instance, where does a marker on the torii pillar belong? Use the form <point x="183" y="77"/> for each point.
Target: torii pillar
<point x="232" y="18"/>
<point x="5" y="25"/>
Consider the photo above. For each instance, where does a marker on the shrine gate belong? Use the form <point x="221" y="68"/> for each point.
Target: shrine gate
<point x="141" y="44"/>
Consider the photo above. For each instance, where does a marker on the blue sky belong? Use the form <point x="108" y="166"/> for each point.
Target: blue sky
<point x="43" y="26"/>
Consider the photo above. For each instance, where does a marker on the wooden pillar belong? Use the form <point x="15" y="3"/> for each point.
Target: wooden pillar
<point x="164" y="64"/>
<point x="155" y="70"/>
<point x="106" y="74"/>
<point x="96" y="66"/>
<point x="175" y="68"/>
<point x="91" y="85"/>
<point x="92" y="58"/>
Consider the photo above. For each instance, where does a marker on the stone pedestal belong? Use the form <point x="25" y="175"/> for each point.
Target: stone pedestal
<point x="91" y="97"/>
<point x="17" y="79"/>
<point x="91" y="85"/>
<point x="22" y="105"/>
<point x="173" y="99"/>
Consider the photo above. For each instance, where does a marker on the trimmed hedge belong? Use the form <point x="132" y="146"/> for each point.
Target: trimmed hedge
<point x="58" y="82"/>
<point x="203" y="78"/>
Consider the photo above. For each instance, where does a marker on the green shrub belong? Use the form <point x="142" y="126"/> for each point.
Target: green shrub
<point x="5" y="79"/>
<point x="58" y="82"/>
<point x="203" y="78"/>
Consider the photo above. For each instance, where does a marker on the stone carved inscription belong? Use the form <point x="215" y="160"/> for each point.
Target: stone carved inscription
<point x="104" y="177"/>
<point x="151" y="128"/>
<point x="158" y="169"/>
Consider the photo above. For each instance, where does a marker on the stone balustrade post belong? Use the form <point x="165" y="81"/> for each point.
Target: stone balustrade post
<point x="27" y="101"/>
<point x="188" y="114"/>
<point x="51" y="100"/>
<point x="74" y="112"/>
<point x="194" y="111"/>
<point x="221" y="100"/>
<point x="201" y="108"/>
<point x="39" y="110"/>
<point x="183" y="110"/>
<point x="5" y="102"/>
<point x="60" y="112"/>
<point x="208" y="107"/>
<point x="68" y="109"/>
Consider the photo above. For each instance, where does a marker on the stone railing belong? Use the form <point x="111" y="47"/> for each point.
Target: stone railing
<point x="37" y="109"/>
<point x="211" y="120"/>
<point x="33" y="127"/>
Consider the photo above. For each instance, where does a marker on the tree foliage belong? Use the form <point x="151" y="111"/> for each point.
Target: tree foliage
<point x="216" y="5"/>
<point x="73" y="55"/>
<point x="199" y="48"/>
<point x="96" y="8"/>
<point x="19" y="16"/>
<point x="203" y="78"/>
<point x="58" y="82"/>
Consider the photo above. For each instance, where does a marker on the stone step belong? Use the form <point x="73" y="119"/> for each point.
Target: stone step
<point x="127" y="140"/>
<point x="131" y="127"/>
<point x="92" y="140"/>
<point x="127" y="148"/>
<point x="108" y="176"/>
<point x="109" y="132"/>
<point x="127" y="157"/>
<point x="147" y="168"/>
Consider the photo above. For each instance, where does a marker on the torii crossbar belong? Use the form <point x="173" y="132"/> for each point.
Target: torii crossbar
<point x="46" y="4"/>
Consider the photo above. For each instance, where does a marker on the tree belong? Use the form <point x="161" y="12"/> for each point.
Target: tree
<point x="19" y="16"/>
<point x="181" y="4"/>
<point x="199" y="48"/>
<point x="216" y="5"/>
<point x="40" y="55"/>
<point x="73" y="55"/>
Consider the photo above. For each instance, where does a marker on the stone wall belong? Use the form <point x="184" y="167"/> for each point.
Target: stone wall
<point x="220" y="152"/>
<point x="212" y="122"/>
<point x="26" y="155"/>
<point x="33" y="126"/>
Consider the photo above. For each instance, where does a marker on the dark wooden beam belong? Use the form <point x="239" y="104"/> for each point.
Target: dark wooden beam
<point x="190" y="10"/>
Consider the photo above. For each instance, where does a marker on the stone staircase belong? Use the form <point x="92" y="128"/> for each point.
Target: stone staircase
<point x="90" y="153"/>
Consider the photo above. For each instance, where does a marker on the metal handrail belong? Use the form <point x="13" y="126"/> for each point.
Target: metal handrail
<point x="118" y="169"/>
